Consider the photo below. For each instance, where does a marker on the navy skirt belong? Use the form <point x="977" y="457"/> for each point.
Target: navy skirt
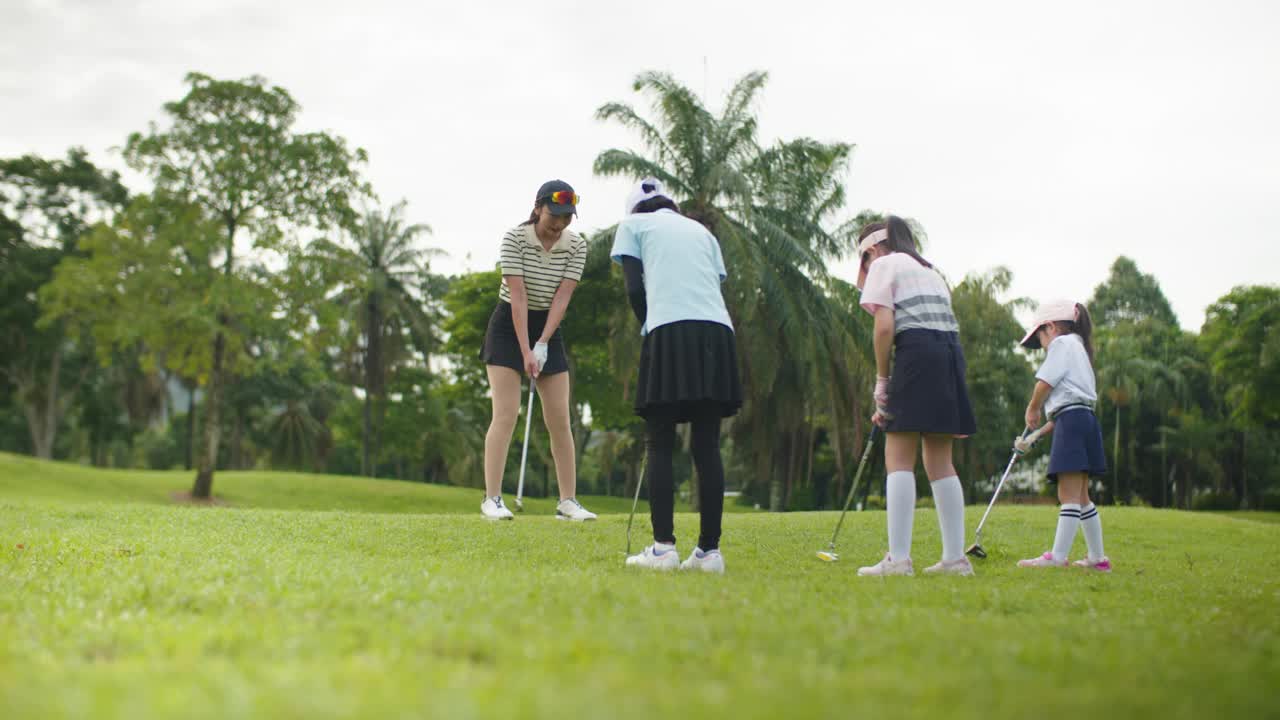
<point x="927" y="393"/>
<point x="1077" y="444"/>
<point x="686" y="366"/>
<point x="501" y="347"/>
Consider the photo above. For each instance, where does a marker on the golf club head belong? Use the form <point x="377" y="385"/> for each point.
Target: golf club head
<point x="828" y="556"/>
<point x="976" y="551"/>
<point x="519" y="505"/>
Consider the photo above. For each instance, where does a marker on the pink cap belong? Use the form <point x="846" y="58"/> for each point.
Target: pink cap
<point x="1048" y="312"/>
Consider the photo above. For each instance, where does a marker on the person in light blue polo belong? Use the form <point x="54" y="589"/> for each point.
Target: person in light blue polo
<point x="688" y="363"/>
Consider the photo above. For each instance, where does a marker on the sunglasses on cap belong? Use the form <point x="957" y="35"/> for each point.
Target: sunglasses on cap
<point x="563" y="197"/>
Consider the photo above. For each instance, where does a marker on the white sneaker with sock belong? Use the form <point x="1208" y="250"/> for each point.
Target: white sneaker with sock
<point x="710" y="561"/>
<point x="493" y="509"/>
<point x="571" y="509"/>
<point x="658" y="556"/>
<point x="887" y="566"/>
<point x="951" y="567"/>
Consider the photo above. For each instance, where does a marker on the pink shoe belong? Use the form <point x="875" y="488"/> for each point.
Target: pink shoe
<point x="1045" y="560"/>
<point x="1103" y="565"/>
<point x="951" y="567"/>
<point x="887" y="566"/>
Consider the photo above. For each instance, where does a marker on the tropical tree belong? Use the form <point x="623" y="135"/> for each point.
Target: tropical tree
<point x="772" y="210"/>
<point x="231" y="149"/>
<point x="379" y="275"/>
<point x="45" y="207"/>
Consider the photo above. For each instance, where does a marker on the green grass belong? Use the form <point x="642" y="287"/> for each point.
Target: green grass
<point x="146" y="610"/>
<point x="26" y="477"/>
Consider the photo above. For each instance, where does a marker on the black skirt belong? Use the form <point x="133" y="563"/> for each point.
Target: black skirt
<point x="928" y="393"/>
<point x="503" y="349"/>
<point x="685" y="366"/>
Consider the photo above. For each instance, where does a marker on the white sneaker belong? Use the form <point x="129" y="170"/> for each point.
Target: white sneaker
<point x="887" y="566"/>
<point x="656" y="557"/>
<point x="951" y="567"/>
<point x="493" y="509"/>
<point x="711" y="561"/>
<point x="571" y="509"/>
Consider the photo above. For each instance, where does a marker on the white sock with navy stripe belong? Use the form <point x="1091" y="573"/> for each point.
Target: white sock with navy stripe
<point x="900" y="501"/>
<point x="1068" y="523"/>
<point x="1092" y="528"/>
<point x="948" y="498"/>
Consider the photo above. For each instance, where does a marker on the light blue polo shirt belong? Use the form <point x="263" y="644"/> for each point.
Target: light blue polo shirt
<point x="683" y="267"/>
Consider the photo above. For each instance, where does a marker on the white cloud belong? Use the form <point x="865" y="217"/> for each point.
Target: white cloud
<point x="1046" y="138"/>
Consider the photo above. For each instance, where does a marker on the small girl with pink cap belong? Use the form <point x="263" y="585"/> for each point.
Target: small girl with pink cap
<point x="1066" y="389"/>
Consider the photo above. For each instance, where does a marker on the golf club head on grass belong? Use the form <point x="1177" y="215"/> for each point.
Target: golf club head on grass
<point x="976" y="551"/>
<point x="828" y="556"/>
<point x="519" y="505"/>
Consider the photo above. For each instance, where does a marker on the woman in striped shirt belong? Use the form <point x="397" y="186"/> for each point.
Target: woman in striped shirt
<point x="542" y="262"/>
<point x="920" y="396"/>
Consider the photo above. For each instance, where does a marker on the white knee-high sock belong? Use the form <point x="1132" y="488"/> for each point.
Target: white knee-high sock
<point x="1092" y="528"/>
<point x="900" y="500"/>
<point x="1068" y="523"/>
<point x="948" y="498"/>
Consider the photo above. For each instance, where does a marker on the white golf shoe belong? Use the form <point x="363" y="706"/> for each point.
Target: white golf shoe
<point x="571" y="509"/>
<point x="951" y="567"/>
<point x="710" y="561"/>
<point x="493" y="509"/>
<point x="658" y="556"/>
<point x="887" y="566"/>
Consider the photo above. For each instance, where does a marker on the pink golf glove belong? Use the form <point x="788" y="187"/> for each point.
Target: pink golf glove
<point x="881" y="394"/>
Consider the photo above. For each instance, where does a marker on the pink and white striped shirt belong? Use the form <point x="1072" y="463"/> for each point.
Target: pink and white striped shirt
<point x="919" y="297"/>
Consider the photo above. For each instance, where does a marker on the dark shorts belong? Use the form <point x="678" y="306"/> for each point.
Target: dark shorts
<point x="1077" y="444"/>
<point x="503" y="349"/>
<point x="927" y="393"/>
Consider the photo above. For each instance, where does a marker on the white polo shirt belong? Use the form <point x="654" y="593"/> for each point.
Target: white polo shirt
<point x="683" y="267"/>
<point x="543" y="270"/>
<point x="1067" y="369"/>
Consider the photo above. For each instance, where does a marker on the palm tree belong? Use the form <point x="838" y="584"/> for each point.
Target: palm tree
<point x="770" y="209"/>
<point x="1122" y="372"/>
<point x="379" y="278"/>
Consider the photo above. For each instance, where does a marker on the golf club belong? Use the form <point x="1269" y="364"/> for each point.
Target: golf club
<point x="524" y="454"/>
<point x="636" y="500"/>
<point x="830" y="554"/>
<point x="976" y="548"/>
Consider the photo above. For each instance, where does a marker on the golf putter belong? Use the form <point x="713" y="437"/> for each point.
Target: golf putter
<point x="524" y="454"/>
<point x="976" y="548"/>
<point x="830" y="554"/>
<point x="636" y="501"/>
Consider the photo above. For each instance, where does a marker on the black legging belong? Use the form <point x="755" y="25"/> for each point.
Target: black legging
<point x="660" y="441"/>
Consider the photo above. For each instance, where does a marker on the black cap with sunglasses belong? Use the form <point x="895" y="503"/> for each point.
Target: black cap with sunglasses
<point x="559" y="197"/>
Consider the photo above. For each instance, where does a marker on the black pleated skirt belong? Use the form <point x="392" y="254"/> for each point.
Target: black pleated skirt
<point x="502" y="348"/>
<point x="685" y="366"/>
<point x="928" y="393"/>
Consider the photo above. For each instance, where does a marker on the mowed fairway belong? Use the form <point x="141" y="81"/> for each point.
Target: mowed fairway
<point x="141" y="609"/>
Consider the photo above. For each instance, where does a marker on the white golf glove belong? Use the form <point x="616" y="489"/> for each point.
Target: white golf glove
<point x="1022" y="445"/>
<point x="540" y="354"/>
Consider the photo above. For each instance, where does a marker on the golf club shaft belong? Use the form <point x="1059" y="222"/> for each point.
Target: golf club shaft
<point x="1012" y="459"/>
<point x="524" y="454"/>
<point x="853" y="489"/>
<point x="636" y="500"/>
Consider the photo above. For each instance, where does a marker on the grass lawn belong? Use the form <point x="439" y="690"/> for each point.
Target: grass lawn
<point x="134" y="610"/>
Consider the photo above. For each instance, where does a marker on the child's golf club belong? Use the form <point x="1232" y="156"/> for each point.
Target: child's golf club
<point x="524" y="454"/>
<point x="976" y="548"/>
<point x="830" y="554"/>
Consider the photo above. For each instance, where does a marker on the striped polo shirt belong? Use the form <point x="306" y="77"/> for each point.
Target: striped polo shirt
<point x="918" y="295"/>
<point x="523" y="255"/>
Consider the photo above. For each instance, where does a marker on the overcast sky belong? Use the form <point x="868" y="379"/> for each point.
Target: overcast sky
<point x="1046" y="137"/>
